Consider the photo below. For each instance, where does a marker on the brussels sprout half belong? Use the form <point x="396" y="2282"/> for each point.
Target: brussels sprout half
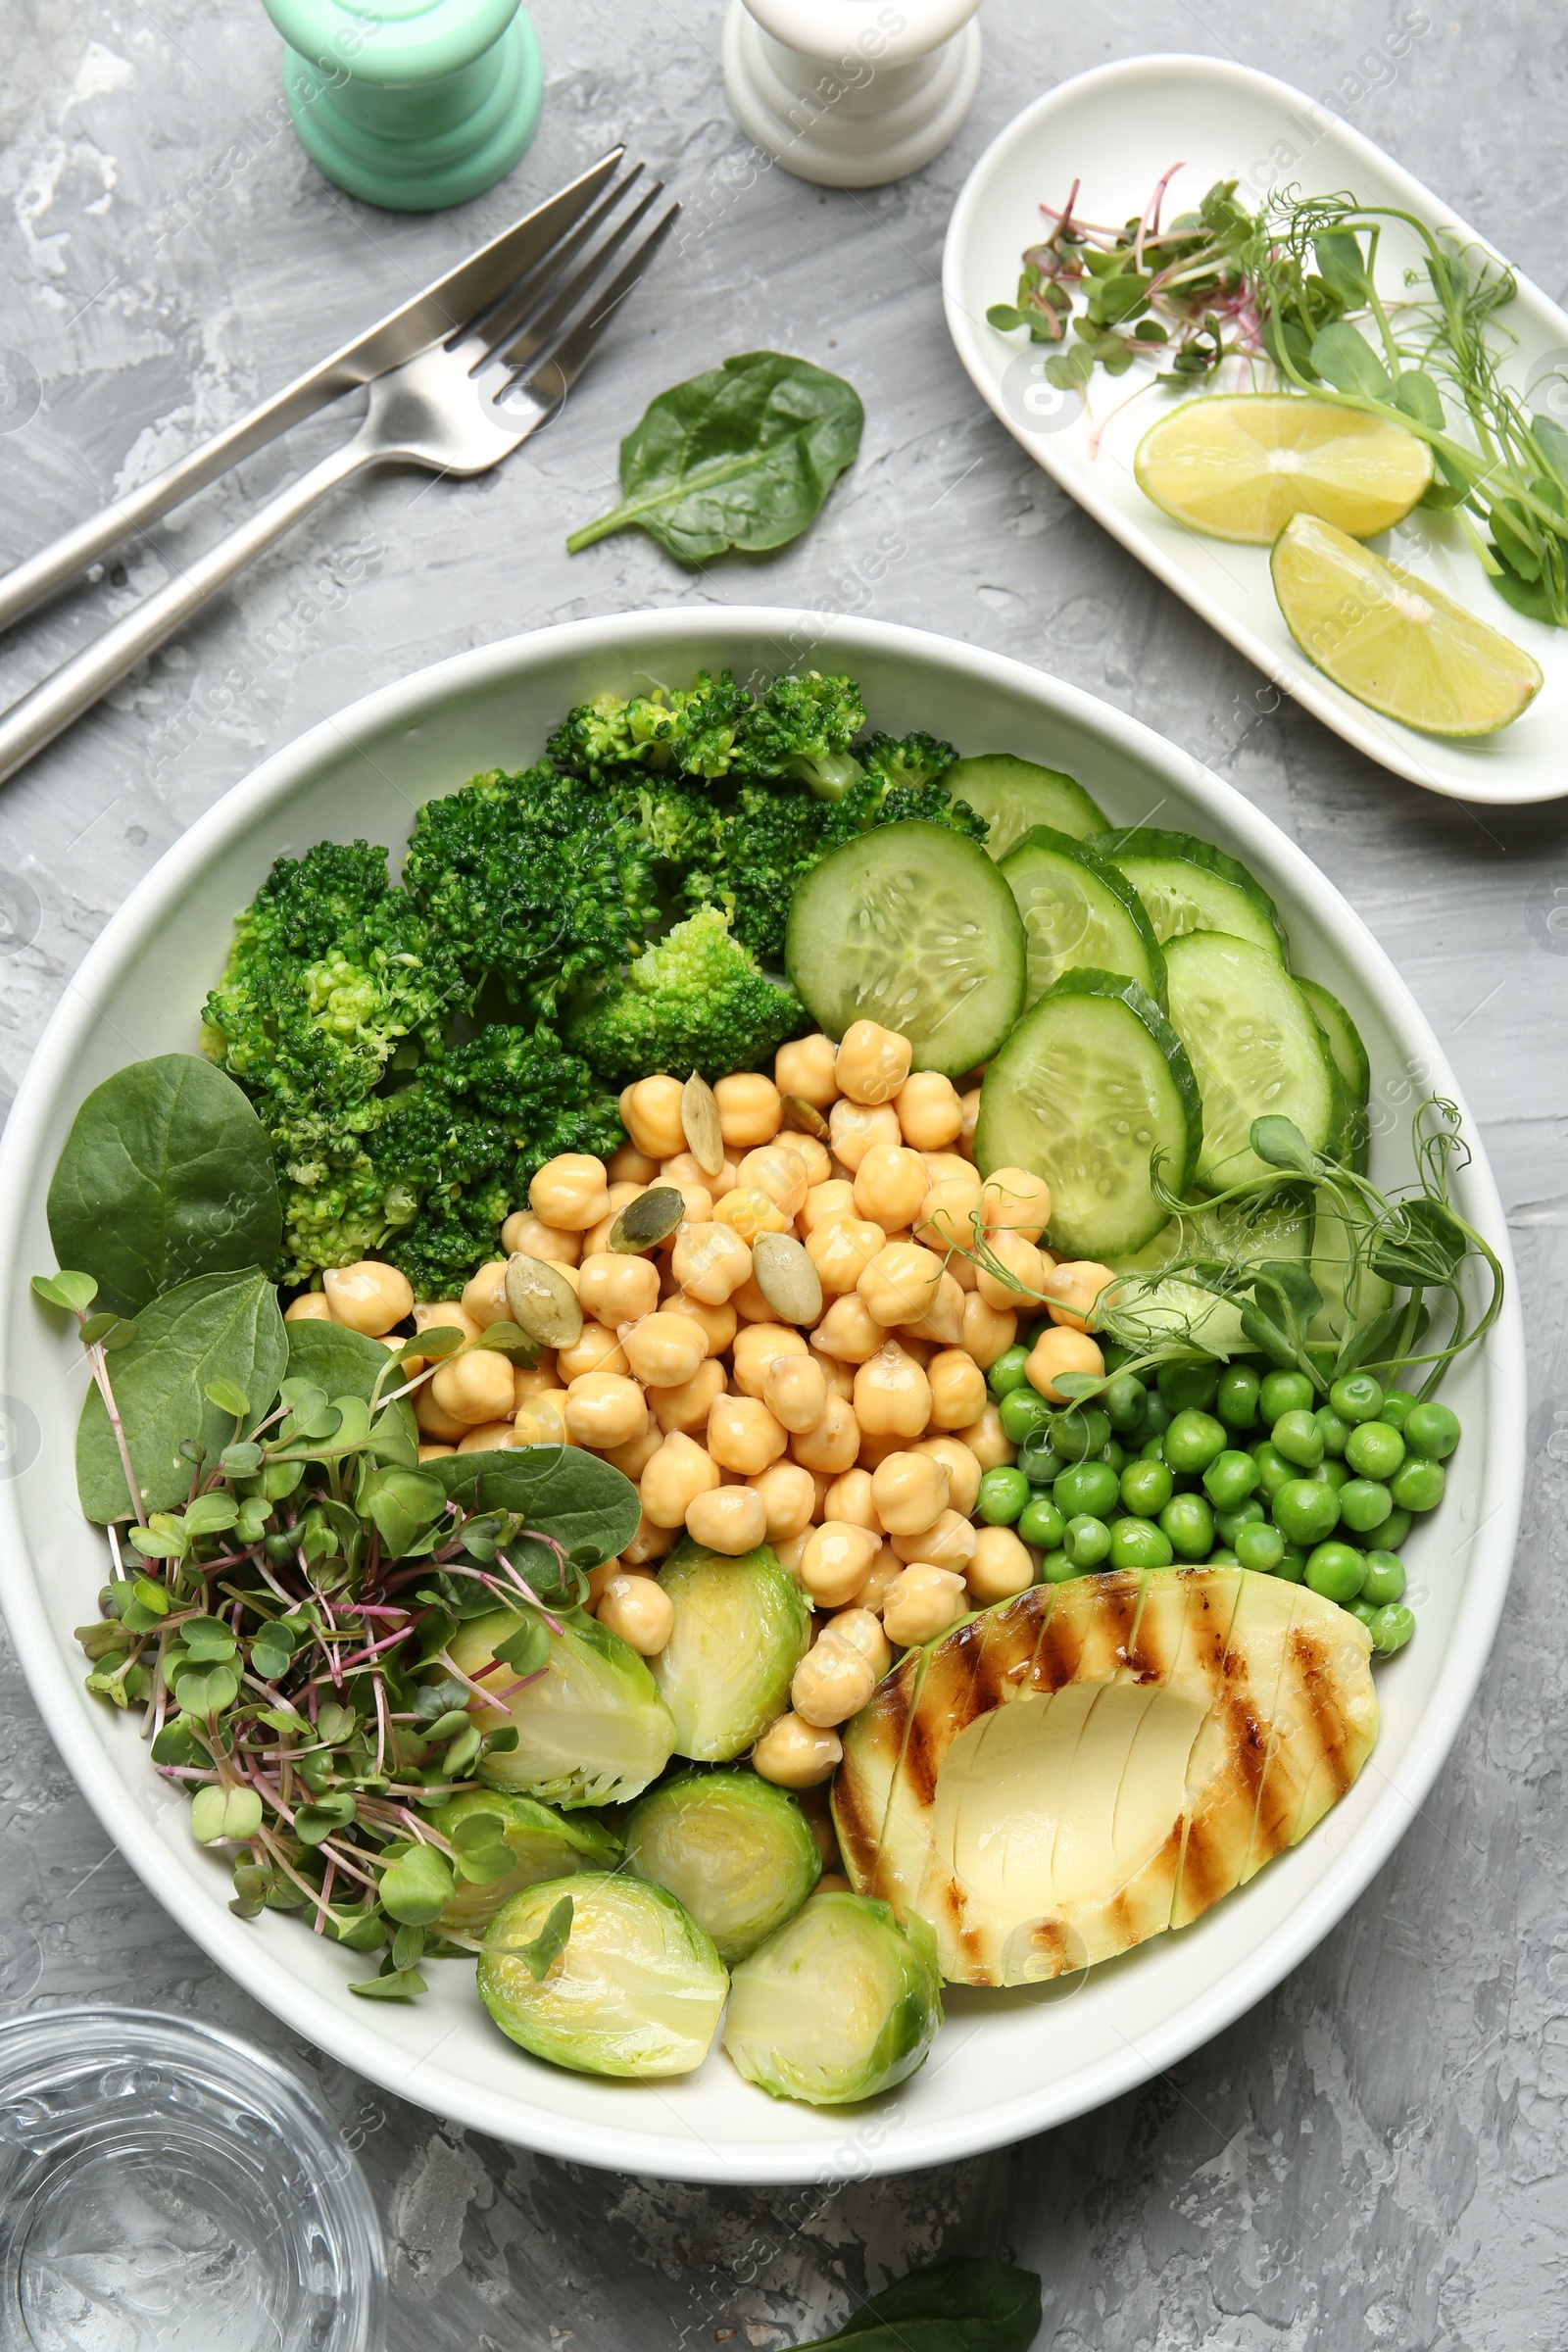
<point x="636" y="1990"/>
<point x="839" y="2004"/>
<point x="591" y="1728"/>
<point x="735" y="1850"/>
<point x="488" y="1829"/>
<point x="742" y="1627"/>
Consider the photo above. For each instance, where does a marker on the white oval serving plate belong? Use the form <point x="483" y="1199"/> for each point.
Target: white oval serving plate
<point x="1005" y="2064"/>
<point x="1117" y="129"/>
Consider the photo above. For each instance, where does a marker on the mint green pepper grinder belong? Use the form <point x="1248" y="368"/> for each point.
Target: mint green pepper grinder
<point x="411" y="104"/>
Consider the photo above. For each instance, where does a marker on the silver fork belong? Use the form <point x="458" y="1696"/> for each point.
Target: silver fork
<point x="457" y="408"/>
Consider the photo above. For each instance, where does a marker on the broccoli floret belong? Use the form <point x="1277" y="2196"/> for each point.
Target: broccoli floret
<point x="903" y="779"/>
<point x="912" y="761"/>
<point x="695" y="1000"/>
<point x="693" y="730"/>
<point x="803" y="729"/>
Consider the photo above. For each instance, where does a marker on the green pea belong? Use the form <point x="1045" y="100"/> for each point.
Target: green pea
<point x="1135" y="1543"/>
<point x="1125" y="1400"/>
<point x="1229" y="1479"/>
<point x="1397" y="1405"/>
<point x="1336" y="1571"/>
<point x="1008" y="1372"/>
<point x="1222" y="1557"/>
<point x="1291" y="1570"/>
<point x="1395" y="1529"/>
<point x="1358" y="1398"/>
<point x="1189" y="1387"/>
<point x="1039" y="1459"/>
<point x="1152" y="1449"/>
<point x="1334" y="1430"/>
<point x="1228" y="1524"/>
<point x="1390" y="1629"/>
<point x="1189" y="1522"/>
<point x="1080" y="1432"/>
<point x="1146" y="1489"/>
<point x="1364" y="1504"/>
<point x="1236" y="1399"/>
<point x="1194" y="1439"/>
<point x="1305" y="1511"/>
<point x="1298" y="1437"/>
<point x="1273" y="1470"/>
<point x="1041" y="1523"/>
<point x="1002" y="1496"/>
<point x="1115" y="1354"/>
<point x="1375" y="1449"/>
<point x="1361" y="1610"/>
<point x="1260" y="1547"/>
<point x="1384" y="1580"/>
<point x="1158" y="1415"/>
<point x="1087" y="1540"/>
<point x="1417" y="1485"/>
<point x="1115" y="1453"/>
<point x="1087" y="1489"/>
<point x="1284" y="1393"/>
<point x="1432" y="1431"/>
<point x="1058" y="1569"/>
<point x="1022" y="1414"/>
<point x="1330" y="1473"/>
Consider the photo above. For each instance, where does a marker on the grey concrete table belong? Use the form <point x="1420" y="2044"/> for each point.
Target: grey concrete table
<point x="1377" y="2156"/>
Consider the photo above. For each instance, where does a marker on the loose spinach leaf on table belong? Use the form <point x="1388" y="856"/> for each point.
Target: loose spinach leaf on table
<point x="741" y="456"/>
<point x="586" y="1504"/>
<point x="972" y="2304"/>
<point x="218" y="1328"/>
<point x="167" y="1174"/>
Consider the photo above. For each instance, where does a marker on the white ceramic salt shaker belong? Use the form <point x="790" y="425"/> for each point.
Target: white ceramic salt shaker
<point x="851" y="93"/>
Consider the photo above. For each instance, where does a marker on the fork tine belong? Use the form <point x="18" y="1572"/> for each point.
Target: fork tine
<point x="561" y="366"/>
<point x="488" y="329"/>
<point x="540" y="332"/>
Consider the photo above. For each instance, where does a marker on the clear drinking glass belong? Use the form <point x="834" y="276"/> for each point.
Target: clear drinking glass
<point x="165" y="2188"/>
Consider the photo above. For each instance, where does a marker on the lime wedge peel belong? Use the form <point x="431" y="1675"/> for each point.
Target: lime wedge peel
<point x="1397" y="644"/>
<point x="1239" y="466"/>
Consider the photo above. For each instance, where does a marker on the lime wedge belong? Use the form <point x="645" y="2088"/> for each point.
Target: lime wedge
<point x="1396" y="644"/>
<point x="1239" y="466"/>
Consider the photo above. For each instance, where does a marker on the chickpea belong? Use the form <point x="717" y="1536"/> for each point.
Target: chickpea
<point x="970" y="1103"/>
<point x="532" y="1380"/>
<point x="837" y="1560"/>
<point x="595" y="1349"/>
<point x="910" y="1493"/>
<point x="1060" y="1349"/>
<point x="815" y="1157"/>
<point x="753" y="1304"/>
<point x="1003" y="1565"/>
<point x="542" y="1421"/>
<point x="862" y="1631"/>
<point x="640" y="1611"/>
<point x="671" y="1482"/>
<point x="805" y="1069"/>
<point x="837" y="1372"/>
<point x="1018" y="1258"/>
<point x="987" y="1440"/>
<point x="709" y="1262"/>
<point x="793" y="1754"/>
<point x="832" y="1682"/>
<point x="758" y="1348"/>
<point x="742" y="1435"/>
<point x="890" y="1184"/>
<point x="929" y="1111"/>
<point x="628" y="1165"/>
<point x="731" y="1519"/>
<point x="946" y="1219"/>
<point x="427" y="1454"/>
<point x="750" y="1109"/>
<point x="650" y="1542"/>
<point x="596" y="1240"/>
<point x="683" y="1171"/>
<point x="942" y="1324"/>
<point x="697" y="1200"/>
<point x="368" y="1297"/>
<point x="1017" y="1200"/>
<point x="963" y="1471"/>
<point x="663" y="1350"/>
<point x="871" y="1064"/>
<point x="987" y="1331"/>
<point x="598" y="1578"/>
<point x="874" y="1450"/>
<point x="847" y="1333"/>
<point x="435" y="1423"/>
<point x="949" y="1542"/>
<point x="484" y="1297"/>
<point x="892" y="1395"/>
<point x="921" y="1603"/>
<point x="901" y="1283"/>
<point x="842" y="1250"/>
<point x="1072" y="1292"/>
<point x="473" y="1387"/>
<point x="615" y="1288"/>
<point x="488" y="1438"/>
<point x="833" y="1443"/>
<point x="829" y="1204"/>
<point x="789" y="1496"/>
<point x="605" y="1408"/>
<point x="849" y="1499"/>
<point x="958" y="1390"/>
<point x="717" y="1323"/>
<point x="788" y="1550"/>
<point x="886" y="1568"/>
<point x="778" y="1170"/>
<point x="525" y="1231"/>
<point x="795" y="1392"/>
<point x="650" y="1113"/>
<point x="446" y="1315"/>
<point x="854" y="1127"/>
<point x="687" y="1408"/>
<point x="633" y="1459"/>
<point x="570" y="1191"/>
<point x="311" y="1306"/>
<point x="748" y="1210"/>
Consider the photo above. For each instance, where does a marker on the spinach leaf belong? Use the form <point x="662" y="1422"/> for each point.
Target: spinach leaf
<point x="167" y="1174"/>
<point x="221" y="1327"/>
<point x="740" y="457"/>
<point x="972" y="2304"/>
<point x="587" y="1506"/>
<point x="343" y="1362"/>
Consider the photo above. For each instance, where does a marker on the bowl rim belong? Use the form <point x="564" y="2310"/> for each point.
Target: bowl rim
<point x="682" y="2155"/>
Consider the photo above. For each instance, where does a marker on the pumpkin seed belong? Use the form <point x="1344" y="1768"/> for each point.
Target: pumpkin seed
<point x="787" y="1278"/>
<point x="805" y="1118"/>
<point x="646" y="1221"/>
<point x="699" y="1119"/>
<point x="543" y="1302"/>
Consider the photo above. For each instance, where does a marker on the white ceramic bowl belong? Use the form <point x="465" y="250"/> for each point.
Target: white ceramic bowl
<point x="1005" y="2063"/>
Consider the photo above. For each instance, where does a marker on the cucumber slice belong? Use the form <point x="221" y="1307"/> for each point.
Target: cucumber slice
<point x="1088" y="1088"/>
<point x="1279" y="1226"/>
<point x="1015" y="794"/>
<point x="1078" y="910"/>
<point x="1255" y="1049"/>
<point x="1354" y="1142"/>
<point x="1188" y="885"/>
<point x="911" y="927"/>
